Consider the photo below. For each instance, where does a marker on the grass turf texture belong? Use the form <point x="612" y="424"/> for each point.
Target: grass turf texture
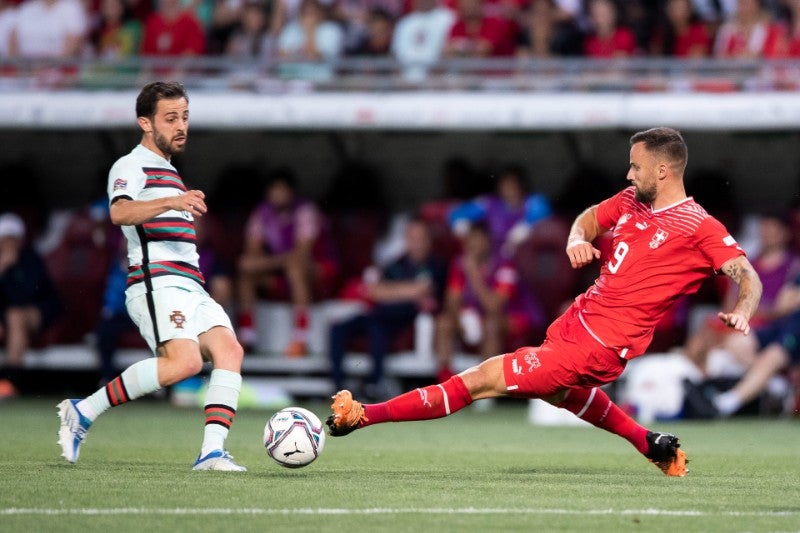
<point x="472" y="471"/>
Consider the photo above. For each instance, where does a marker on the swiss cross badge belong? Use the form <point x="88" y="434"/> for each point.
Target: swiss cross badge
<point x="178" y="319"/>
<point x="658" y="238"/>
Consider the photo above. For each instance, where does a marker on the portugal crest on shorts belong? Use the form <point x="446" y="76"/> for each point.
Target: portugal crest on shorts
<point x="658" y="238"/>
<point x="178" y="319"/>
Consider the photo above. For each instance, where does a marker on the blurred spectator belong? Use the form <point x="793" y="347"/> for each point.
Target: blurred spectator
<point x="607" y="38"/>
<point x="29" y="302"/>
<point x="377" y="39"/>
<point x="173" y="31"/>
<point x="312" y="37"/>
<point x="509" y="212"/>
<point x="226" y="18"/>
<point x="8" y="18"/>
<point x="713" y="12"/>
<point x="681" y="33"/>
<point x="286" y="12"/>
<point x="420" y="36"/>
<point x="476" y="35"/>
<point x="776" y="265"/>
<point x="250" y="39"/>
<point x="119" y="34"/>
<point x="545" y="34"/>
<point x="483" y="304"/>
<point x="49" y="28"/>
<point x="287" y="251"/>
<point x="751" y="32"/>
<point x="354" y="17"/>
<point x="411" y="284"/>
<point x="768" y="350"/>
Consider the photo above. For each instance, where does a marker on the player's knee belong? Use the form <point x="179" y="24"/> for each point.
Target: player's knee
<point x="486" y="379"/>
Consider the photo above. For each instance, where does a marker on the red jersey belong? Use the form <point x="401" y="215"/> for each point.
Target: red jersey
<point x="499" y="33"/>
<point x="181" y="36"/>
<point x="657" y="257"/>
<point x="622" y="42"/>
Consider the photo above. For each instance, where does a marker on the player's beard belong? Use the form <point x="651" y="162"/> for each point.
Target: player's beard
<point x="168" y="147"/>
<point x="646" y="195"/>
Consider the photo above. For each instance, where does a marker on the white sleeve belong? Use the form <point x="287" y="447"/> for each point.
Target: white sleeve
<point x="125" y="180"/>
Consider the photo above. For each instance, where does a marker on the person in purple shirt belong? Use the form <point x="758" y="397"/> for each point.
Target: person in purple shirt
<point x="509" y="213"/>
<point x="483" y="303"/>
<point x="776" y="264"/>
<point x="287" y="254"/>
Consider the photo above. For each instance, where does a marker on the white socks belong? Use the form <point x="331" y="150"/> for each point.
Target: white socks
<point x="136" y="381"/>
<point x="222" y="399"/>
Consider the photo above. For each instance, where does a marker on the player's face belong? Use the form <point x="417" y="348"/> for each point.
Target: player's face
<point x="171" y="126"/>
<point x="643" y="173"/>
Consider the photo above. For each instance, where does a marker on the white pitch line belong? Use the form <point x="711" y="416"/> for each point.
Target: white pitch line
<point x="387" y="511"/>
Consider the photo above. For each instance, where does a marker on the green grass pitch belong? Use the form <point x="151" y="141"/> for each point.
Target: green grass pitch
<point x="475" y="471"/>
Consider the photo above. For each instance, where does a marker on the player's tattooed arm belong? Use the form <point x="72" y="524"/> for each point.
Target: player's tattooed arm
<point x="742" y="272"/>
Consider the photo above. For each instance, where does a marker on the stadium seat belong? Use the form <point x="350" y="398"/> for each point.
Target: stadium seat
<point x="78" y="266"/>
<point x="544" y="268"/>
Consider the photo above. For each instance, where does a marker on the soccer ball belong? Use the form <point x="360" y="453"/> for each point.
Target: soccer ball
<point x="294" y="437"/>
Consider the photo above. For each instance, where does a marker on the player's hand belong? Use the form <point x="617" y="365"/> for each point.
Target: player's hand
<point x="735" y="321"/>
<point x="581" y="253"/>
<point x="192" y="202"/>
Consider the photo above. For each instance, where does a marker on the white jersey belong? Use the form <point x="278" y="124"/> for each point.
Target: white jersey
<point x="162" y="252"/>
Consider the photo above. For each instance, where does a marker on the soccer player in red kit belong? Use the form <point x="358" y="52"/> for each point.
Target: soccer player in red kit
<point x="664" y="246"/>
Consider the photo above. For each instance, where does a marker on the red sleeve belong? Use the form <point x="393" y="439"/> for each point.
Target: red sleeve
<point x="716" y="242"/>
<point x="609" y="211"/>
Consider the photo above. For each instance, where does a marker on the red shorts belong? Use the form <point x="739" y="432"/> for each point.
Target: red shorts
<point x="568" y="358"/>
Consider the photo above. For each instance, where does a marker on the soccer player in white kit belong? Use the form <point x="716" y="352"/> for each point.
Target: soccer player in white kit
<point x="165" y="297"/>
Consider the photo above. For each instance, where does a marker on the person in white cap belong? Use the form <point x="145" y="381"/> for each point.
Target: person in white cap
<point x="29" y="301"/>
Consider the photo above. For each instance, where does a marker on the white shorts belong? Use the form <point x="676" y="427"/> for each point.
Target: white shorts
<point x="179" y="314"/>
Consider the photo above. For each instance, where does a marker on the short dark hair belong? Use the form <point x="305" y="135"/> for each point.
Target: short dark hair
<point x="667" y="142"/>
<point x="151" y="93"/>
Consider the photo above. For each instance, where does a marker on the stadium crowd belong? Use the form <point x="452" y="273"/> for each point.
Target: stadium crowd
<point x="486" y="259"/>
<point x="415" y="32"/>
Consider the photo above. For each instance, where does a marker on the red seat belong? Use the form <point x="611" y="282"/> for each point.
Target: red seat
<point x="78" y="266"/>
<point x="544" y="268"/>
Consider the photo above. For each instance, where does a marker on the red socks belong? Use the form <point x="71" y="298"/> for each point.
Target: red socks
<point x="595" y="407"/>
<point x="433" y="401"/>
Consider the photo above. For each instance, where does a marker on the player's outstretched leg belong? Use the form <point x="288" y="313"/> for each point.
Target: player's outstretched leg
<point x="434" y="401"/>
<point x="78" y="415"/>
<point x="595" y="407"/>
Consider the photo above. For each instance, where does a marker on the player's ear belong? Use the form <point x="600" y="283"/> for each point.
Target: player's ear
<point x="145" y="124"/>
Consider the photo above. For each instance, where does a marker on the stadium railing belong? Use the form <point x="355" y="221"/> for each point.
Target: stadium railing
<point x="387" y="74"/>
